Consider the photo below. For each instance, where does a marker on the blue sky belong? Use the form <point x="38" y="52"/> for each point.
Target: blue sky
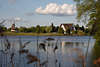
<point x="25" y="12"/>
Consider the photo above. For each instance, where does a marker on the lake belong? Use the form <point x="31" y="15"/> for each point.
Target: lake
<point x="46" y="51"/>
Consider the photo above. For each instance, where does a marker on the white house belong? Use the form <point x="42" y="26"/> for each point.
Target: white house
<point x="67" y="26"/>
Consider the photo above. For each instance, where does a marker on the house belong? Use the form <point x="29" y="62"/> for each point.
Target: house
<point x="67" y="28"/>
<point x="13" y="28"/>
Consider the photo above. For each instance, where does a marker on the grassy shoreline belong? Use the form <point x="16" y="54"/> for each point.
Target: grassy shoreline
<point x="32" y="34"/>
<point x="40" y="34"/>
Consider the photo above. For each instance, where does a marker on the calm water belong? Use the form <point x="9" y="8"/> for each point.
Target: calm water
<point x="61" y="51"/>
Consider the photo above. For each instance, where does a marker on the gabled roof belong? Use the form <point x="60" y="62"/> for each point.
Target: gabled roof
<point x="67" y="25"/>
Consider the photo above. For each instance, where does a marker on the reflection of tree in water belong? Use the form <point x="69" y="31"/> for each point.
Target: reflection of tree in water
<point x="42" y="46"/>
<point x="67" y="44"/>
<point x="50" y="43"/>
<point x="80" y="58"/>
<point x="77" y="44"/>
<point x="76" y="54"/>
<point x="69" y="52"/>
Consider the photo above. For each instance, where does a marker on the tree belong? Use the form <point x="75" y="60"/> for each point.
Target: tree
<point x="68" y="31"/>
<point x="52" y="27"/>
<point x="33" y="29"/>
<point x="2" y="28"/>
<point x="48" y="29"/>
<point x="76" y="27"/>
<point x="86" y="30"/>
<point x="38" y="29"/>
<point x="9" y="29"/>
<point x="56" y="29"/>
<point x="29" y="29"/>
<point x="22" y="29"/>
<point x="89" y="11"/>
<point x="60" y="30"/>
<point x="82" y="28"/>
<point x="43" y="29"/>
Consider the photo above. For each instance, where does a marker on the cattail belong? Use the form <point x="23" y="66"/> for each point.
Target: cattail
<point x="23" y="51"/>
<point x="50" y="39"/>
<point x="25" y="44"/>
<point x="32" y="59"/>
<point x="56" y="47"/>
<point x="43" y="46"/>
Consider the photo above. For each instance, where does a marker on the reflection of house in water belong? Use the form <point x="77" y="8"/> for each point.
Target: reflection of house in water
<point x="67" y="28"/>
<point x="66" y="46"/>
<point x="13" y="27"/>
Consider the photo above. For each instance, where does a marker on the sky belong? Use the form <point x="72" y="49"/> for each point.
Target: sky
<point x="37" y="12"/>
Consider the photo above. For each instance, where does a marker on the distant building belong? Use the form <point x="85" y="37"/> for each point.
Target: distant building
<point x="13" y="28"/>
<point x="67" y="27"/>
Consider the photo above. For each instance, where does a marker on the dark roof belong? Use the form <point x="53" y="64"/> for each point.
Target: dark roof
<point x="68" y="25"/>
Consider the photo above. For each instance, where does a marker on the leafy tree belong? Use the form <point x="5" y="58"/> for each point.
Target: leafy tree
<point x="68" y="31"/>
<point x="60" y="30"/>
<point x="89" y="11"/>
<point x="22" y="29"/>
<point x="17" y="29"/>
<point x="56" y="29"/>
<point x="82" y="28"/>
<point x="48" y="29"/>
<point x="2" y="28"/>
<point x="9" y="29"/>
<point x="52" y="27"/>
<point x="33" y="29"/>
<point x="86" y="30"/>
<point x="43" y="29"/>
<point x="38" y="29"/>
<point x="76" y="27"/>
<point x="29" y="30"/>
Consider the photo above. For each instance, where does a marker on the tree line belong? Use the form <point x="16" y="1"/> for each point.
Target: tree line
<point x="45" y="29"/>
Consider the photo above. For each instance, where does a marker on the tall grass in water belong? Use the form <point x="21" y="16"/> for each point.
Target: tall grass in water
<point x="48" y="41"/>
<point x="6" y="52"/>
<point x="35" y="60"/>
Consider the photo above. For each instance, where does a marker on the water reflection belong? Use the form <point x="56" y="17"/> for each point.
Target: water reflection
<point x="74" y="54"/>
<point x="48" y="52"/>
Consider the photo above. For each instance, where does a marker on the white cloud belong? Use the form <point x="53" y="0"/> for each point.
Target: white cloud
<point x="14" y="19"/>
<point x="58" y="10"/>
<point x="18" y="19"/>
